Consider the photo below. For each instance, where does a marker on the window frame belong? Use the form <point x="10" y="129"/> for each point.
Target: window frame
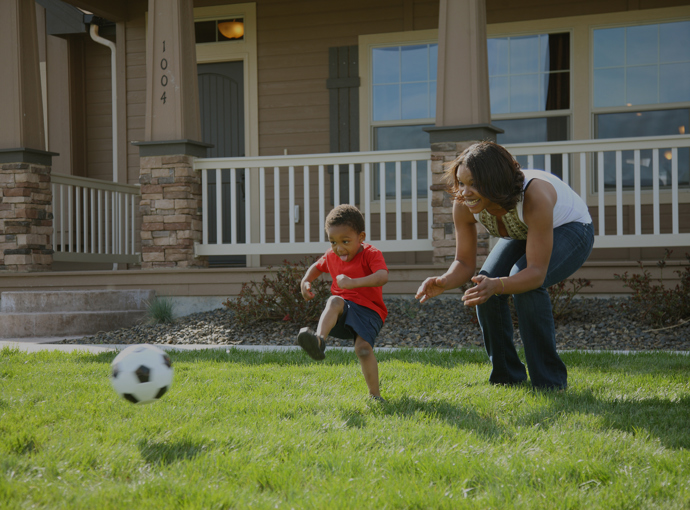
<point x="366" y="43"/>
<point x="542" y="113"/>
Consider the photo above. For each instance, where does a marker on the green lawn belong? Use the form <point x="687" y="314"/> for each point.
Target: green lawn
<point x="277" y="430"/>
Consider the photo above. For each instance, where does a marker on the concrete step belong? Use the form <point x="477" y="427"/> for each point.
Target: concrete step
<point x="70" y="313"/>
<point x="20" y="325"/>
<point x="74" y="300"/>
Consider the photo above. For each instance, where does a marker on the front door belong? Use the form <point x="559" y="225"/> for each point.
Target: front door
<point x="221" y="97"/>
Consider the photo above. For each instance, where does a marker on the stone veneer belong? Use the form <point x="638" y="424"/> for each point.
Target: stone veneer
<point x="26" y="217"/>
<point x="442" y="228"/>
<point x="170" y="212"/>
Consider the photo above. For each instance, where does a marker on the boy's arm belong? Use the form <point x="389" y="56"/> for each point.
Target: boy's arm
<point x="305" y="286"/>
<point x="377" y="279"/>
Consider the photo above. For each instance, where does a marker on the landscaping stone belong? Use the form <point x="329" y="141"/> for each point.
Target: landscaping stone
<point x="601" y="324"/>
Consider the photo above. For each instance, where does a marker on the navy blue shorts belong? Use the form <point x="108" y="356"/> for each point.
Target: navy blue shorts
<point x="357" y="320"/>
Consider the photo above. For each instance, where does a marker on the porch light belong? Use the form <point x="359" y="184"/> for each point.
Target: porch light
<point x="231" y="29"/>
<point x="681" y="130"/>
<point x="668" y="155"/>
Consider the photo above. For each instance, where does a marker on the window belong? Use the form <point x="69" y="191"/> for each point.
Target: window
<point x="404" y="82"/>
<point x="219" y="30"/>
<point x="403" y="101"/>
<point x="529" y="75"/>
<point x="640" y="88"/>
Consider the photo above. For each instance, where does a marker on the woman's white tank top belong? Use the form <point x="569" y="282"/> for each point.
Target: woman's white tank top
<point x="569" y="206"/>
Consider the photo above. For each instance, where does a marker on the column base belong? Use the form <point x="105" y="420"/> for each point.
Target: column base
<point x="26" y="216"/>
<point x="170" y="212"/>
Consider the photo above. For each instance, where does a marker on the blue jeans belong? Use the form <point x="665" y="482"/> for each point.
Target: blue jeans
<point x="572" y="244"/>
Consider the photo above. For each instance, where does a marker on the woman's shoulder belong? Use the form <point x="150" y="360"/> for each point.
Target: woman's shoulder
<point x="539" y="196"/>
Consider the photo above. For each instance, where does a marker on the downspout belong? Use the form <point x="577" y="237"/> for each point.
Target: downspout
<point x="113" y="72"/>
<point x="113" y="77"/>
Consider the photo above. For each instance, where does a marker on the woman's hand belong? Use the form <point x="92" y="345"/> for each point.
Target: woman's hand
<point x="307" y="294"/>
<point x="431" y="287"/>
<point x="485" y="288"/>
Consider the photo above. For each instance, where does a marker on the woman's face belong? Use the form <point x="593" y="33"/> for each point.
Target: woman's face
<point x="472" y="199"/>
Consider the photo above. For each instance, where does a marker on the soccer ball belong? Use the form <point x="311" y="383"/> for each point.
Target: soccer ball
<point x="141" y="373"/>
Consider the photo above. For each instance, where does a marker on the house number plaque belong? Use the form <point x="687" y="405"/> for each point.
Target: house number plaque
<point x="164" y="77"/>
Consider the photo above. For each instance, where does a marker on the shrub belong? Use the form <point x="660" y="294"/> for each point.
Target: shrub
<point x="561" y="295"/>
<point x="653" y="302"/>
<point x="280" y="298"/>
<point x="159" y="310"/>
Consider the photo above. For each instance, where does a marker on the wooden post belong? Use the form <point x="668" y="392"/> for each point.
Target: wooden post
<point x="463" y="111"/>
<point x="171" y="189"/>
<point x="25" y="192"/>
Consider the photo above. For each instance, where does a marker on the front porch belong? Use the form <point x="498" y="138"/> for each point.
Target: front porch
<point x="280" y="202"/>
<point x="285" y="200"/>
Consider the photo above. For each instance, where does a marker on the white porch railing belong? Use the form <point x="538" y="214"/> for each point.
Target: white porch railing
<point x="642" y="173"/>
<point x="94" y="220"/>
<point x="284" y="212"/>
<point x="279" y="217"/>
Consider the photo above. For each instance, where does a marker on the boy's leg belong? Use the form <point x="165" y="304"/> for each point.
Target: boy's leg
<point x="370" y="368"/>
<point x="330" y="315"/>
<point x="314" y="343"/>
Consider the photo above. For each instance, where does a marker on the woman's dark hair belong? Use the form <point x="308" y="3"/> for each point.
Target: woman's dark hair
<point x="496" y="174"/>
<point x="346" y="215"/>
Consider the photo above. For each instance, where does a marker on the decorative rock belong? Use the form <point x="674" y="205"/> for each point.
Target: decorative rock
<point x="440" y="323"/>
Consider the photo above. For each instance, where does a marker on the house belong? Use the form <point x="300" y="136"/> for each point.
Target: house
<point x="184" y="146"/>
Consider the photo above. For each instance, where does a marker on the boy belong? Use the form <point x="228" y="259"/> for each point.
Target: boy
<point x="355" y="309"/>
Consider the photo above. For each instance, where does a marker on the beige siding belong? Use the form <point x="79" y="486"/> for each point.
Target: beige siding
<point x="136" y="93"/>
<point x="99" y="135"/>
<point x="293" y="43"/>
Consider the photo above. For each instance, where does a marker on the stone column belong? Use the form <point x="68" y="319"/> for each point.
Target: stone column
<point x="26" y="224"/>
<point x="463" y="112"/>
<point x="25" y="192"/>
<point x="170" y="188"/>
<point x="170" y="208"/>
<point x="442" y="227"/>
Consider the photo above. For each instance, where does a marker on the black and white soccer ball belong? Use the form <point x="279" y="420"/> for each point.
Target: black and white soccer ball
<point x="141" y="373"/>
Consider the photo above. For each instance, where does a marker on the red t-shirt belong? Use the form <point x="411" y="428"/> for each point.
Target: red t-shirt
<point x="366" y="262"/>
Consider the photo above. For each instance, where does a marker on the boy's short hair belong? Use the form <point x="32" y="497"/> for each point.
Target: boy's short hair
<point x="345" y="214"/>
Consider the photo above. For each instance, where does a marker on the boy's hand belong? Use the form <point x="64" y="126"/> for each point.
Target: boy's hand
<point x="307" y="294"/>
<point x="345" y="282"/>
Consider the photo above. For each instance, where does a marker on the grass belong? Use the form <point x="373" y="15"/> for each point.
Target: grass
<point x="276" y="430"/>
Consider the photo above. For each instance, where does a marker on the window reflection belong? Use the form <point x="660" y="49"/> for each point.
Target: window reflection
<point x="396" y="138"/>
<point x="645" y="64"/>
<point x="649" y="123"/>
<point x="543" y="129"/>
<point x="404" y="82"/>
<point x="529" y="73"/>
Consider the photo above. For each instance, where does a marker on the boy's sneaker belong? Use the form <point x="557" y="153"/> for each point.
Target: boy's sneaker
<point x="379" y="399"/>
<point x="314" y="345"/>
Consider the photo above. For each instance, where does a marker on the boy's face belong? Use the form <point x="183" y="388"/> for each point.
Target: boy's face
<point x="345" y="241"/>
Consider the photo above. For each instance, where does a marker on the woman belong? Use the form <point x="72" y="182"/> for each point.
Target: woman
<point x="546" y="235"/>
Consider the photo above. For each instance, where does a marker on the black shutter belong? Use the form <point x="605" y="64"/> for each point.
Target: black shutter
<point x="343" y="86"/>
